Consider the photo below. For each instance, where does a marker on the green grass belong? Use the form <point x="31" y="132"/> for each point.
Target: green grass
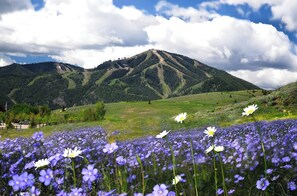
<point x="37" y="78"/>
<point x="137" y="119"/>
<point x="71" y="83"/>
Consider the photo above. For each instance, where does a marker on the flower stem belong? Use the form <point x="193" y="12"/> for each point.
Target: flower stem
<point x="223" y="176"/>
<point x="74" y="177"/>
<point x="195" y="170"/>
<point x="142" y="174"/>
<point x="215" y="173"/>
<point x="173" y="168"/>
<point x="262" y="145"/>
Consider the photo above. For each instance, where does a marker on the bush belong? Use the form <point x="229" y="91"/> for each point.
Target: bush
<point x="94" y="114"/>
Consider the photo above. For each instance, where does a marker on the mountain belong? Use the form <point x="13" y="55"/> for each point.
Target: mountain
<point x="153" y="74"/>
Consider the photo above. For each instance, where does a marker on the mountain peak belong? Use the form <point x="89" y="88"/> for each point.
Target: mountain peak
<point x="153" y="74"/>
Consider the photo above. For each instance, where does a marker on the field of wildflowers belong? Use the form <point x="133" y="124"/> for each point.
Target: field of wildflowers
<point x="258" y="158"/>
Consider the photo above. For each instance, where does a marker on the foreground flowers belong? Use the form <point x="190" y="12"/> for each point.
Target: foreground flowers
<point x="110" y="148"/>
<point x="162" y="134"/>
<point x="262" y="184"/>
<point x="236" y="153"/>
<point x="181" y="117"/>
<point x="71" y="153"/>
<point x="215" y="148"/>
<point x="210" y="131"/>
<point x="41" y="163"/>
<point x="89" y="173"/>
<point x="249" y="110"/>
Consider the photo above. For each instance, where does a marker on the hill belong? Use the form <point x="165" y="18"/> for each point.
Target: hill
<point x="151" y="75"/>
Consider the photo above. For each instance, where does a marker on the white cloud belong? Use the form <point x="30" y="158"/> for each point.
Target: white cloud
<point x="224" y="41"/>
<point x="7" y="6"/>
<point x="267" y="78"/>
<point x="5" y="60"/>
<point x="92" y="58"/>
<point x="255" y="4"/>
<point x="189" y="13"/>
<point x="63" y="26"/>
<point x="286" y="11"/>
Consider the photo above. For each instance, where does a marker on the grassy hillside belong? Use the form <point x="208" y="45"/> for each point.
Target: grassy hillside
<point x="136" y="119"/>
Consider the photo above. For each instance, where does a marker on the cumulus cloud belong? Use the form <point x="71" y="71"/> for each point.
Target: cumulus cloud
<point x="286" y="11"/>
<point x="226" y="43"/>
<point x="92" y="58"/>
<point x="5" y="60"/>
<point x="62" y="26"/>
<point x="255" y="4"/>
<point x="7" y="6"/>
<point x="268" y="78"/>
<point x="189" y="13"/>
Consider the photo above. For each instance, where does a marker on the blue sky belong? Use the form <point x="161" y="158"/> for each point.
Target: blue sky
<point x="252" y="39"/>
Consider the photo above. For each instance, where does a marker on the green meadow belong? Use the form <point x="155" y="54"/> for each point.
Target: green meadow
<point x="137" y="119"/>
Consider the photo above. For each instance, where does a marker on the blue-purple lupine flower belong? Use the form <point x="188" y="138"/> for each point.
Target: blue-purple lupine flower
<point x="28" y="179"/>
<point x="238" y="178"/>
<point x="89" y="173"/>
<point x="120" y="160"/>
<point x="160" y="190"/>
<point x="292" y="186"/>
<point x="16" y="182"/>
<point x="171" y="193"/>
<point x="110" y="148"/>
<point x="55" y="158"/>
<point x="103" y="193"/>
<point x="262" y="184"/>
<point x="21" y="182"/>
<point x="220" y="191"/>
<point x="62" y="193"/>
<point x="77" y="192"/>
<point x="46" y="176"/>
<point x="269" y="171"/>
<point x="34" y="191"/>
<point x="231" y="191"/>
<point x="38" y="136"/>
<point x="137" y="194"/>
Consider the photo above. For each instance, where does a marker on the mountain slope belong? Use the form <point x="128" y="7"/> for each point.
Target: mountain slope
<point x="153" y="74"/>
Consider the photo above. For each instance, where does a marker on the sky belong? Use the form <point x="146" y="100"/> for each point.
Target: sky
<point x="255" y="40"/>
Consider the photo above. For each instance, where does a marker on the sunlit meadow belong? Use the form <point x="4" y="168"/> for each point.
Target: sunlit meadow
<point x="251" y="159"/>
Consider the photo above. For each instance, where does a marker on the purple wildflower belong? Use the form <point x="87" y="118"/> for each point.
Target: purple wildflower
<point x="38" y="136"/>
<point x="34" y="191"/>
<point x="238" y="178"/>
<point x="62" y="193"/>
<point x="220" y="191"/>
<point x="231" y="191"/>
<point x="28" y="179"/>
<point x="120" y="160"/>
<point x="110" y="148"/>
<point x="21" y="182"/>
<point x="160" y="190"/>
<point x="262" y="184"/>
<point x="16" y="182"/>
<point x="171" y="193"/>
<point x="89" y="174"/>
<point x="269" y="171"/>
<point x="76" y="192"/>
<point x="102" y="193"/>
<point x="54" y="159"/>
<point x="46" y="176"/>
<point x="292" y="186"/>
